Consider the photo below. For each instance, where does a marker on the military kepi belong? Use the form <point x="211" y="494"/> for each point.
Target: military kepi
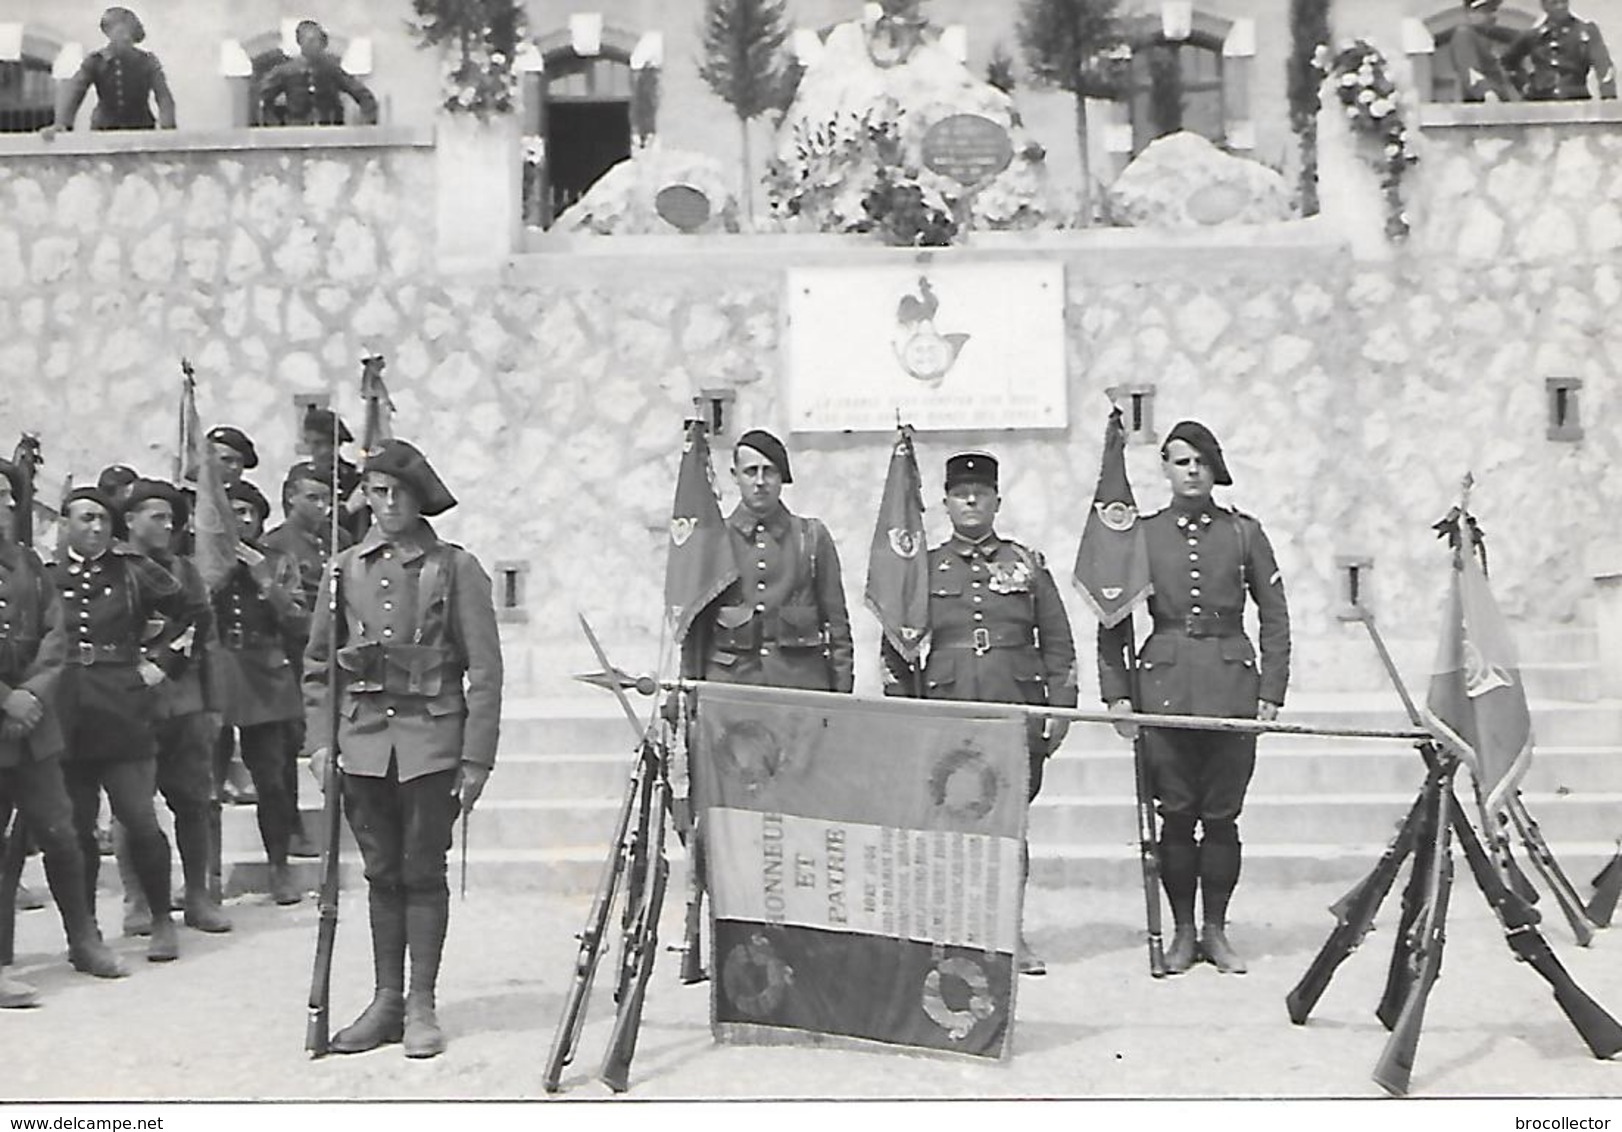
<point x="401" y="460"/>
<point x="236" y="438"/>
<point x="971" y="467"/>
<point x="770" y="447"/>
<point x="1201" y="439"/>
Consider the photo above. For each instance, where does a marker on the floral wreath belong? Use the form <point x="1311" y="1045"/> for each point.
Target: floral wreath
<point x="481" y="39"/>
<point x="1362" y="82"/>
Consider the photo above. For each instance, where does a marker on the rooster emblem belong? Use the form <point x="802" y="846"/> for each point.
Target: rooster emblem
<point x="923" y="351"/>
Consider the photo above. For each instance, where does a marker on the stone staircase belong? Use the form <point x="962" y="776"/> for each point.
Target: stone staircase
<point x="1319" y="809"/>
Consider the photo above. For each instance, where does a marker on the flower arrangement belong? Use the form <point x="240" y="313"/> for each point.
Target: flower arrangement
<point x="481" y="40"/>
<point x="1361" y="80"/>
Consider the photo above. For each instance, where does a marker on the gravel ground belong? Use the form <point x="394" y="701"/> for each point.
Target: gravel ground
<point x="226" y="1021"/>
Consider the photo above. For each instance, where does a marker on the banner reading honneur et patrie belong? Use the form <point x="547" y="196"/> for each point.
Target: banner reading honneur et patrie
<point x="864" y="867"/>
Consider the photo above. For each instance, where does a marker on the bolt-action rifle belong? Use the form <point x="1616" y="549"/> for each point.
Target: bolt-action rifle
<point x="1565" y="894"/>
<point x="15" y="839"/>
<point x="1607" y="887"/>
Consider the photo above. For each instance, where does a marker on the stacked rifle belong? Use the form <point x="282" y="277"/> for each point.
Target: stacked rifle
<point x="1434" y="821"/>
<point x="635" y="876"/>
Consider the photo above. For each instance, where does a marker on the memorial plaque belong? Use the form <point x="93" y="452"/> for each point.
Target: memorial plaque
<point x="969" y="148"/>
<point x="683" y="207"/>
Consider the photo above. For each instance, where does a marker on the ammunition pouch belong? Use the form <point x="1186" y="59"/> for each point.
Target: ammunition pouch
<point x="402" y="670"/>
<point x="739" y="629"/>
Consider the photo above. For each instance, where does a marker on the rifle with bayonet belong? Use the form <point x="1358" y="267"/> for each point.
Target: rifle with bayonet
<point x="1543" y="860"/>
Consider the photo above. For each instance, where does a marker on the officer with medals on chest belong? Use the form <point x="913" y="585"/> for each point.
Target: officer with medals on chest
<point x="1553" y="59"/>
<point x="997" y="626"/>
<point x="419" y="719"/>
<point x="783" y="623"/>
<point x="1203" y="560"/>
<point x="110" y="597"/>
<point x="33" y="651"/>
<point x="257" y="609"/>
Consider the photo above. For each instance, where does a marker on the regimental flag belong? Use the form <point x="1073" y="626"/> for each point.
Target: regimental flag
<point x="700" y="564"/>
<point x="1112" y="562"/>
<point x="898" y="567"/>
<point x="864" y="868"/>
<point x="379" y="423"/>
<point x="1477" y="704"/>
<point x="216" y="548"/>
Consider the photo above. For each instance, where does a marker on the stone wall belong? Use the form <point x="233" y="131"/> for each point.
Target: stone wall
<point x="1351" y="394"/>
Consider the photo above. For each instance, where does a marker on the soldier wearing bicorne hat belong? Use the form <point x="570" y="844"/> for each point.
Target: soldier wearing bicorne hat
<point x="997" y="626"/>
<point x="419" y="713"/>
<point x="1203" y="560"/>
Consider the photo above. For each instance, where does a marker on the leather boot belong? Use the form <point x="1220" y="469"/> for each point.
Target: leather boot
<point x="382" y="1021"/>
<point x="423" y="1037"/>
<point x="93" y="957"/>
<point x="165" y="944"/>
<point x="1184" y="949"/>
<point x="283" y="888"/>
<point x="16" y="994"/>
<point x="1220" y="952"/>
<point x="137" y="916"/>
<point x="203" y="913"/>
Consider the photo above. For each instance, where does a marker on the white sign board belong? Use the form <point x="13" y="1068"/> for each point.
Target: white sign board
<point x="951" y="347"/>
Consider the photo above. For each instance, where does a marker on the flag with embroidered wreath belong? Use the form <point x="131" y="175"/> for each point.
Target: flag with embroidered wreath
<point x="864" y="868"/>
<point x="1112" y="562"/>
<point x="700" y="563"/>
<point x="898" y="566"/>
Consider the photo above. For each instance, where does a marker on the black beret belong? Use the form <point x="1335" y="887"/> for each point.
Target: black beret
<point x="1205" y="443"/>
<point x="317" y="419"/>
<point x="145" y="491"/>
<point x="971" y="467"/>
<point x="115" y="477"/>
<point x="244" y="492"/>
<point x="116" y="15"/>
<point x="307" y="470"/>
<point x="14" y="474"/>
<point x="768" y="446"/>
<point x="401" y="460"/>
<point x="236" y="438"/>
<point x="99" y="498"/>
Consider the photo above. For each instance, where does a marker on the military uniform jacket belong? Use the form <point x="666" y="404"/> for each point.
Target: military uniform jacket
<point x="115" y="608"/>
<point x="419" y="658"/>
<point x="1559" y="57"/>
<point x="311" y="91"/>
<point x="309" y="553"/>
<point x="1198" y="660"/>
<point x="33" y="648"/>
<point x="783" y="623"/>
<point x="126" y="82"/>
<point x="997" y="629"/>
<point x="1477" y="66"/>
<point x="183" y="658"/>
<point x="254" y="611"/>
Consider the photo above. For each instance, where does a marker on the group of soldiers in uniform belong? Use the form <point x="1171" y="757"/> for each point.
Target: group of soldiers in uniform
<point x="122" y="672"/>
<point x="1549" y="62"/>
<point x="998" y="632"/>
<point x="132" y="91"/>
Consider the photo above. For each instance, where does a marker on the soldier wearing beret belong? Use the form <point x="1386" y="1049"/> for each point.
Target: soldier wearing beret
<point x="1203" y="559"/>
<point x="307" y="89"/>
<point x="321" y="428"/>
<point x="33" y="653"/>
<point x="1552" y="60"/>
<point x="257" y="610"/>
<point x="110" y="594"/>
<point x="419" y="716"/>
<point x="127" y="79"/>
<point x="116" y="481"/>
<point x="304" y="537"/>
<point x="235" y="452"/>
<point x="1471" y="51"/>
<point x="183" y="726"/>
<point x="997" y="624"/>
<point x="784" y="622"/>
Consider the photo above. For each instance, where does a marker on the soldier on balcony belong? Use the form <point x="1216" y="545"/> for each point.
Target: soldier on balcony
<point x="1551" y="62"/>
<point x="127" y="80"/>
<point x="1470" y="49"/>
<point x="307" y="89"/>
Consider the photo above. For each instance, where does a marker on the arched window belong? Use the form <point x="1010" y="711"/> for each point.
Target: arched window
<point x="1444" y="84"/>
<point x="580" y="109"/>
<point x="1177" y="85"/>
<point x="27" y="95"/>
<point x="265" y="52"/>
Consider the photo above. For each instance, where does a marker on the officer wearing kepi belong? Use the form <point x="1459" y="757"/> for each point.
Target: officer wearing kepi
<point x="420" y="712"/>
<point x="784" y="622"/>
<point x="997" y="625"/>
<point x="1203" y="559"/>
